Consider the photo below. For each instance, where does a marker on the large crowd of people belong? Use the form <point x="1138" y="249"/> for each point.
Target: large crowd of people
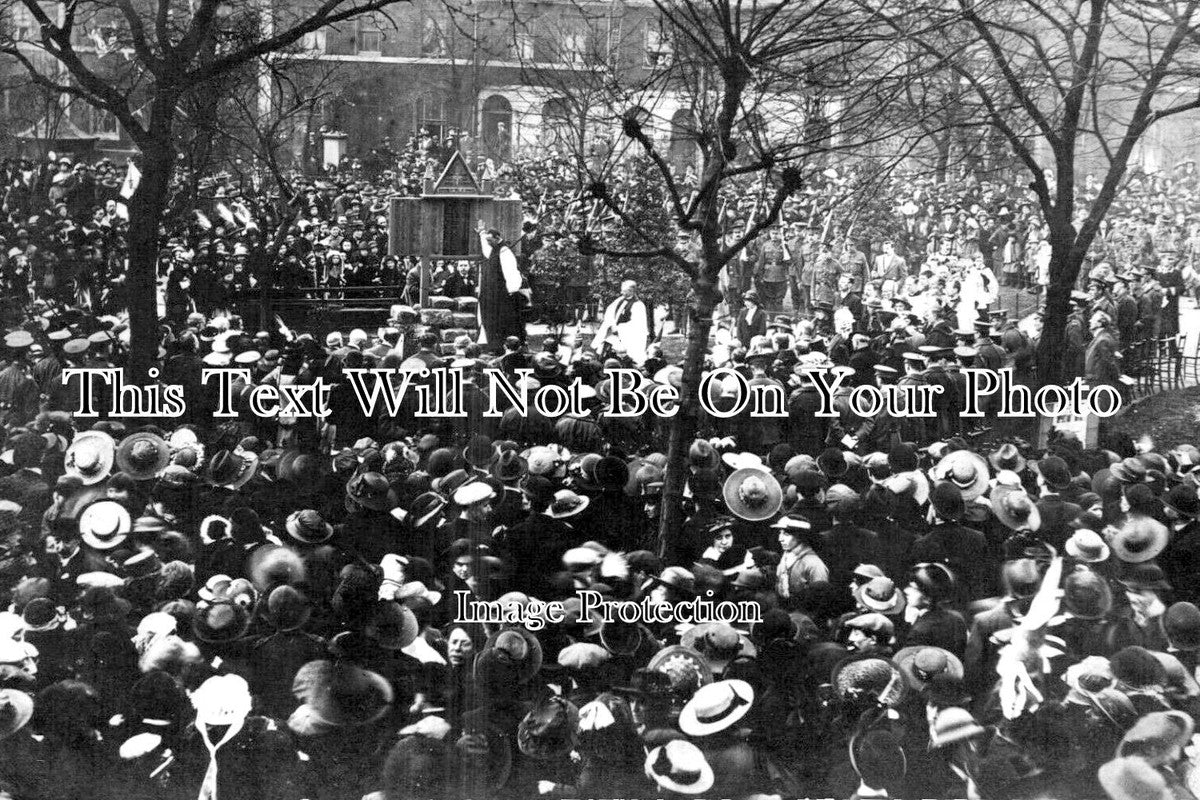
<point x="271" y="607"/>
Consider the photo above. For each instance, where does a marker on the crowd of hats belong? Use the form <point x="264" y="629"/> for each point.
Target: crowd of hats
<point x="244" y="607"/>
<point x="929" y="617"/>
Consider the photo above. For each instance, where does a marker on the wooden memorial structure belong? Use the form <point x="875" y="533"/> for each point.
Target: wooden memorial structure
<point x="440" y="224"/>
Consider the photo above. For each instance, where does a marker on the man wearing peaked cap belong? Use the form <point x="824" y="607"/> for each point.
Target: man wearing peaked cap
<point x="19" y="394"/>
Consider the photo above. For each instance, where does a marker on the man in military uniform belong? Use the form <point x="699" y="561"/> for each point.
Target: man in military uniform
<point x="1150" y="300"/>
<point x="963" y="356"/>
<point x="19" y="393"/>
<point x="806" y="431"/>
<point x="989" y="354"/>
<point x="1017" y="345"/>
<point x="825" y="275"/>
<point x="1076" y="336"/>
<point x="1101" y="361"/>
<point x="1127" y="312"/>
<point x="884" y="433"/>
<point x="1101" y="299"/>
<point x="802" y="248"/>
<point x="915" y="429"/>
<point x="47" y="368"/>
<point x="948" y="403"/>
<point x="854" y="264"/>
<point x="772" y="272"/>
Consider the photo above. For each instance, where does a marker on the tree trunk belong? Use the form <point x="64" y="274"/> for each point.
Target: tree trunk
<point x="684" y="424"/>
<point x="943" y="158"/>
<point x="146" y="209"/>
<point x="1064" y="269"/>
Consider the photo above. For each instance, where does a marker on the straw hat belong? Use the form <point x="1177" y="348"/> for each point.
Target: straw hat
<point x="104" y="524"/>
<point x="90" y="457"/>
<point x="679" y="766"/>
<point x="716" y="707"/>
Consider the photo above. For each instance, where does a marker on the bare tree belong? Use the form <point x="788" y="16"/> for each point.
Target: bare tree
<point x="763" y="91"/>
<point x="176" y="51"/>
<point x="1061" y="80"/>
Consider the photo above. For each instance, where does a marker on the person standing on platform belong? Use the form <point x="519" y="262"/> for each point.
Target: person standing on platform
<point x="500" y="298"/>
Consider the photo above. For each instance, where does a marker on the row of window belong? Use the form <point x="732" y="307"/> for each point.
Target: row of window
<point x="570" y="43"/>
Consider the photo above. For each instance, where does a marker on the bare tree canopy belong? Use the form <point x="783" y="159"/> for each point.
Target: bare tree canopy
<point x="1060" y="80"/>
<point x="172" y="51"/>
<point x="763" y="93"/>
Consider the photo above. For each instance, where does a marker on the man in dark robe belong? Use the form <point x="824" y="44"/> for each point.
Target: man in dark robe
<point x="499" y="290"/>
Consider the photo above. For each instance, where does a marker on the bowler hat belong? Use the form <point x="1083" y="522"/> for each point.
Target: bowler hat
<point x="1054" y="472"/>
<point x="934" y="580"/>
<point x="1182" y="499"/>
<point x="1182" y="625"/>
<point x="947" y="501"/>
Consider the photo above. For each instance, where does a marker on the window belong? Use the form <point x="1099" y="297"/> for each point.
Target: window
<point x="314" y="41"/>
<point x="658" y="45"/>
<point x="431" y="115"/>
<point x="556" y="122"/>
<point x="23" y="25"/>
<point x="524" y="47"/>
<point x="574" y="45"/>
<point x="496" y="126"/>
<point x="683" y="149"/>
<point x="370" y="38"/>
<point x="433" y="43"/>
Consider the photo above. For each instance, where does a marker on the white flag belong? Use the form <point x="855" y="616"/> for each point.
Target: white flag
<point x="133" y="176"/>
